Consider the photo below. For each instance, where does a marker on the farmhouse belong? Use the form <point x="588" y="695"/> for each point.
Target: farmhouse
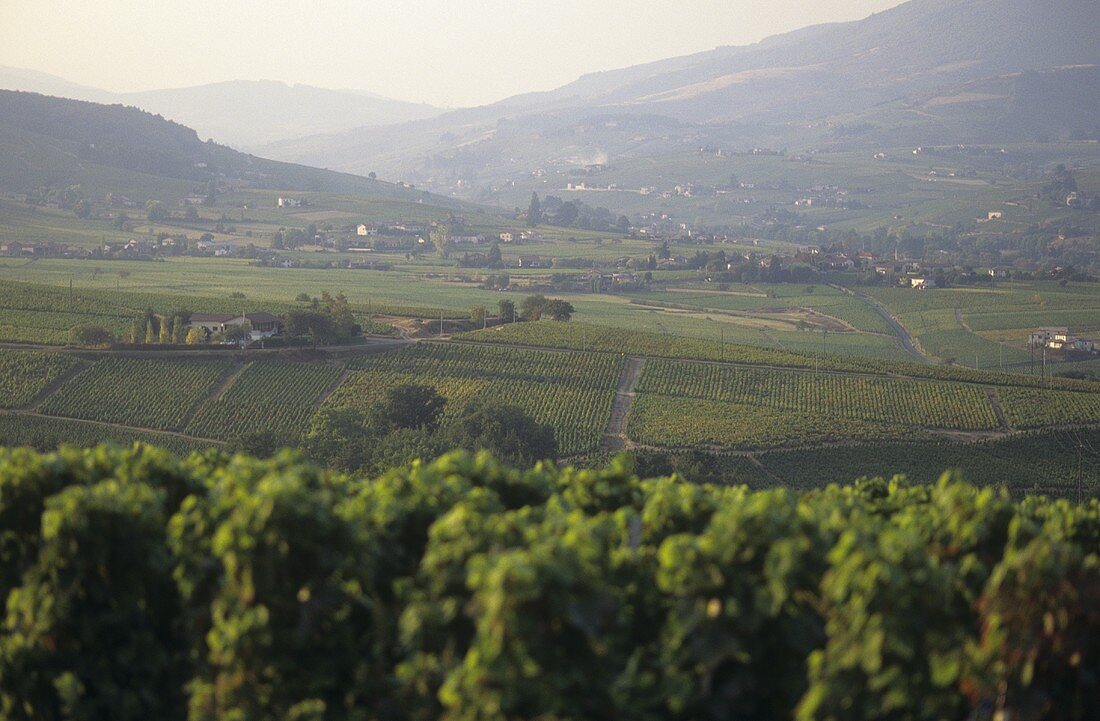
<point x="259" y="325"/>
<point x="530" y="261"/>
<point x="289" y="203"/>
<point x="995" y="215"/>
<point x="921" y="283"/>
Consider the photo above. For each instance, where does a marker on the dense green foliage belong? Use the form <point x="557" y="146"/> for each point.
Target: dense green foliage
<point x="141" y="586"/>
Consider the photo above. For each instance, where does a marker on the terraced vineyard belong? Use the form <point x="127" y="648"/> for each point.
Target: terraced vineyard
<point x="25" y="374"/>
<point x="269" y="395"/>
<point x="927" y="403"/>
<point x="146" y="393"/>
<point x="572" y="392"/>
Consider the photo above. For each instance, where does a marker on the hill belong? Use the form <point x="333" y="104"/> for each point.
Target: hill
<point x="765" y="93"/>
<point x="58" y="142"/>
<point x="240" y="113"/>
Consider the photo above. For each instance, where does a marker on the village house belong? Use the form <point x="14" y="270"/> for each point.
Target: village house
<point x="999" y="272"/>
<point x="921" y="283"/>
<point x="530" y="261"/>
<point x="507" y="237"/>
<point x="289" y="203"/>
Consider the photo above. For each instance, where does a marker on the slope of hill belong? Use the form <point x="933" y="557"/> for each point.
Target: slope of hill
<point x="57" y="142"/>
<point x="240" y="113"/>
<point x="766" y="92"/>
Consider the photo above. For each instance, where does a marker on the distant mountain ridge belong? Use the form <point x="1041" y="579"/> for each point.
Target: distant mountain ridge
<point x="761" y="93"/>
<point x="240" y="113"/>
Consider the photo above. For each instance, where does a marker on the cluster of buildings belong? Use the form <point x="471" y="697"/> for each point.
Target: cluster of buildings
<point x="1060" y="339"/>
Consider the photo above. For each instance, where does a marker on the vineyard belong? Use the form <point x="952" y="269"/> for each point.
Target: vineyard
<point x="268" y="396"/>
<point x="460" y="589"/>
<point x="145" y="393"/>
<point x="571" y="392"/>
<point x="1031" y="408"/>
<point x="47" y="434"/>
<point x="657" y="420"/>
<point x="26" y="374"/>
<point x="550" y="334"/>
<point x="1052" y="463"/>
<point x="924" y="403"/>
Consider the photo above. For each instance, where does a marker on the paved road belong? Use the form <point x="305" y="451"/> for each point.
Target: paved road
<point x="906" y="339"/>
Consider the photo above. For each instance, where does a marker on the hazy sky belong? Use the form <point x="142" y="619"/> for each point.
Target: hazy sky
<point x="446" y="52"/>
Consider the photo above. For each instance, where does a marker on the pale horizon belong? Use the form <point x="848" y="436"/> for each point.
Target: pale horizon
<point x="489" y="50"/>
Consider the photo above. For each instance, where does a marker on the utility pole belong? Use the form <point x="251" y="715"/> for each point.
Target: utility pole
<point x="1080" y="477"/>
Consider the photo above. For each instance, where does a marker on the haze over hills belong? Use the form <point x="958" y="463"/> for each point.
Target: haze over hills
<point x="763" y="94"/>
<point x="59" y="142"/>
<point x="240" y="113"/>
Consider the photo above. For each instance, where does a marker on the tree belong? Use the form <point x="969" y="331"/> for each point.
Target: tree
<point x="91" y="335"/>
<point x="318" y="326"/>
<point x="567" y="214"/>
<point x="477" y="315"/>
<point x="302" y="298"/>
<point x="195" y="336"/>
<point x="558" y="309"/>
<point x="339" y="312"/>
<point x="534" y="211"/>
<point x="237" y="333"/>
<point x="531" y="307"/>
<point x="211" y="196"/>
<point x="439" y="236"/>
<point x="408" y="406"/>
<point x="82" y="209"/>
<point x="156" y="211"/>
<point x="504" y="430"/>
<point x="493" y="256"/>
<point x="507" y="309"/>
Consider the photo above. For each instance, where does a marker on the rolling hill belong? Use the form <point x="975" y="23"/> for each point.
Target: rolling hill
<point x="767" y="93"/>
<point x="240" y="113"/>
<point x="55" y="142"/>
